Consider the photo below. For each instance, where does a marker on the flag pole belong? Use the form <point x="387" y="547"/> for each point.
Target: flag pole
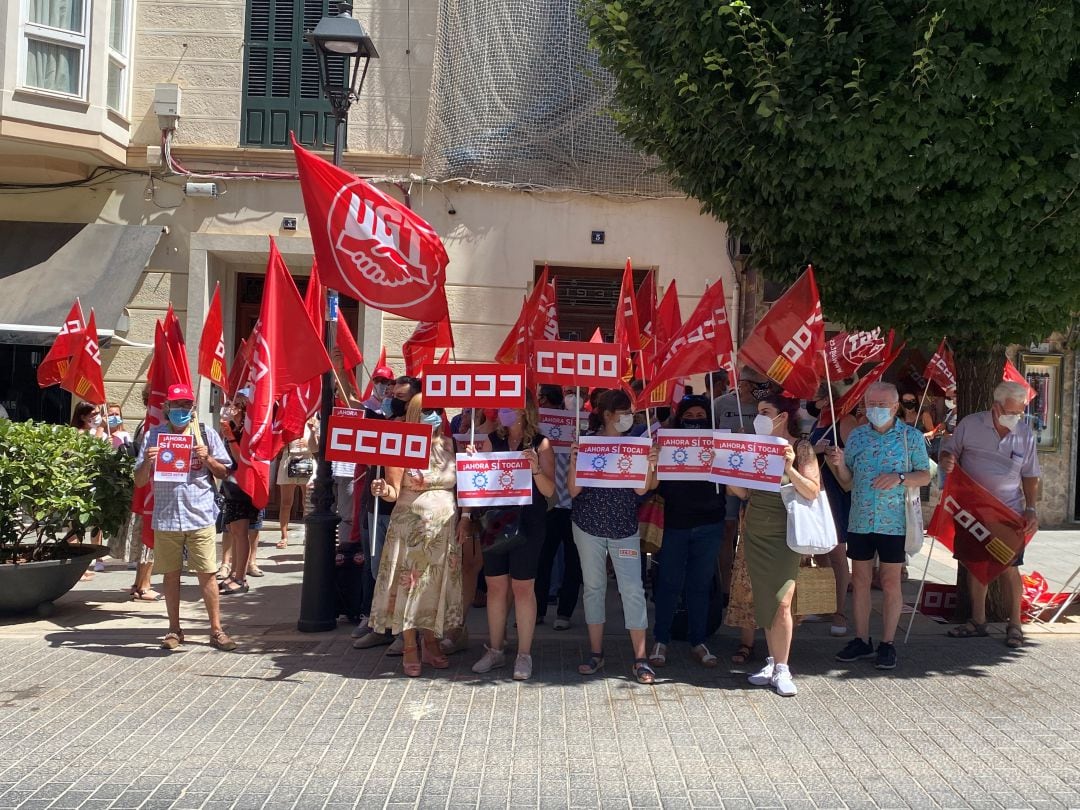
<point x="712" y="414"/>
<point x="922" y="584"/>
<point x="577" y="411"/>
<point x="832" y="407"/>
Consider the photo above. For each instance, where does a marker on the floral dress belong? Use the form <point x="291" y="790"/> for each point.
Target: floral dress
<point x="419" y="581"/>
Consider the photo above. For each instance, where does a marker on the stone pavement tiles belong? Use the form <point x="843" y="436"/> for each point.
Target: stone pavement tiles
<point x="98" y="718"/>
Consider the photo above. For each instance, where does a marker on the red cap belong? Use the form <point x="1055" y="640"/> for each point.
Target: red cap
<point x="180" y="392"/>
<point x="383" y="373"/>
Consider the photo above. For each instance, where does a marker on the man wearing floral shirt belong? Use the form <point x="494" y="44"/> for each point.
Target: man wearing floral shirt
<point x="879" y="460"/>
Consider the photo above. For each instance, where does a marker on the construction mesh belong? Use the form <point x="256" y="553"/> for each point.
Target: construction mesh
<point x="518" y="99"/>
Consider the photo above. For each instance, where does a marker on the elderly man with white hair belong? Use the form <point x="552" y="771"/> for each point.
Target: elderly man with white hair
<point x="997" y="449"/>
<point x="878" y="461"/>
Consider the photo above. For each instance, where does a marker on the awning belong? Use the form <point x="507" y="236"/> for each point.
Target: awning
<point x="44" y="266"/>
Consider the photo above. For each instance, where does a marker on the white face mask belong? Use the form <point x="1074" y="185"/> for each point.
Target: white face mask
<point x="96" y="421"/>
<point x="570" y="403"/>
<point x="763" y="425"/>
<point x="1009" y="421"/>
<point x="624" y="422"/>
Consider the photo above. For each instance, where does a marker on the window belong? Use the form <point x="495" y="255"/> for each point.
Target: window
<point x="119" y="51"/>
<point x="282" y="90"/>
<point x="54" y="45"/>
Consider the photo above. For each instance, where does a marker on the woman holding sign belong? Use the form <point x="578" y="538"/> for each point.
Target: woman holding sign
<point x="515" y="568"/>
<point x="772" y="565"/>
<point x="418" y="589"/>
<point x="606" y="523"/>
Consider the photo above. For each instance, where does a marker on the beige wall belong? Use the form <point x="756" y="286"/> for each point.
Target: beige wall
<point x="389" y="118"/>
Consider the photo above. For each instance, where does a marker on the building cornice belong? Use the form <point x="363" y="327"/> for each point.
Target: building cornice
<point x="210" y="159"/>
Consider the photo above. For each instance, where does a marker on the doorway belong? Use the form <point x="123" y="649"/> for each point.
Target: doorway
<point x="587" y="298"/>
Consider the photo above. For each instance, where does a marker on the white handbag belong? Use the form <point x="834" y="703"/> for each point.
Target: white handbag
<point x="914" y="532"/>
<point x="810" y="526"/>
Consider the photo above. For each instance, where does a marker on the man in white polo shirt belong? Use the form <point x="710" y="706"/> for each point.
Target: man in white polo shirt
<point x="997" y="449"/>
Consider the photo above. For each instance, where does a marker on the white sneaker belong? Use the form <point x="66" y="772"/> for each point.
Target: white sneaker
<point x="398" y="647"/>
<point x="522" y="667"/>
<point x="361" y="629"/>
<point x="99" y="565"/>
<point x="490" y="659"/>
<point x="782" y="682"/>
<point x="561" y="623"/>
<point x="763" y="677"/>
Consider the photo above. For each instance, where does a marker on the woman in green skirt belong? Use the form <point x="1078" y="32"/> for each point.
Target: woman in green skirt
<point x="772" y="565"/>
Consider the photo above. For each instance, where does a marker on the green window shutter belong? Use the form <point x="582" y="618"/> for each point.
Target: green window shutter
<point x="281" y="76"/>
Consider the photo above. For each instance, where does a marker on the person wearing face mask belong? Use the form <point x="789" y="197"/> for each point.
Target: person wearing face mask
<point x="239" y="513"/>
<point x="605" y="524"/>
<point x="418" y="588"/>
<point x="773" y="566"/>
<point x="515" y="570"/>
<point x="87" y="419"/>
<point x="115" y="425"/>
<point x="185" y="513"/>
<point x="997" y="448"/>
<point x="693" y="532"/>
<point x="879" y="461"/>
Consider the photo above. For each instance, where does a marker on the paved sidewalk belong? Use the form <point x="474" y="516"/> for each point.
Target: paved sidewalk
<point x="93" y="715"/>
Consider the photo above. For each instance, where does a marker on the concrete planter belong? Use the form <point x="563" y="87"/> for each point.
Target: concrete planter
<point x="32" y="586"/>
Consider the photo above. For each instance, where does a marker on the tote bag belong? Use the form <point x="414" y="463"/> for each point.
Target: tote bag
<point x="913" y="528"/>
<point x="810" y="526"/>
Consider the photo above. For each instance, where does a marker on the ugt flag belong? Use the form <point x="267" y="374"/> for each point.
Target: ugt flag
<point x="785" y="344"/>
<point x="848" y="351"/>
<point x="983" y="533"/>
<point x="370" y="246"/>
<point x="941" y="370"/>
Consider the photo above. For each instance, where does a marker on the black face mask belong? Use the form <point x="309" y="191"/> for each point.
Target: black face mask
<point x="813" y="409"/>
<point x="908" y="406"/>
<point x="398" y="407"/>
<point x="761" y="390"/>
<point x="694" y="424"/>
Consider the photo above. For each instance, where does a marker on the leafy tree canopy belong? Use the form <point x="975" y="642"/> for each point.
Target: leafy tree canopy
<point x="923" y="155"/>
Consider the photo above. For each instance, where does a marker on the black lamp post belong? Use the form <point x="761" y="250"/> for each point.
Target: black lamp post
<point x="340" y="37"/>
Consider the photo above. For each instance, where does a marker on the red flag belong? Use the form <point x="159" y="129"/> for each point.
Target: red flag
<point x="302" y="403"/>
<point x="941" y="370"/>
<point x="55" y="365"/>
<point x="174" y="339"/>
<point x="703" y="344"/>
<point x="597" y="336"/>
<point x="419" y="349"/>
<point x="369" y="245"/>
<point x="371" y="382"/>
<point x="286" y="353"/>
<point x="84" y="378"/>
<point x="846" y="404"/>
<point x="517" y="345"/>
<point x="212" y="344"/>
<point x="627" y="329"/>
<point x="159" y="378"/>
<point x="350" y="352"/>
<point x="545" y="321"/>
<point x="786" y="343"/>
<point x="983" y="533"/>
<point x="668" y="318"/>
<point x="646" y="313"/>
<point x="1012" y="374"/>
<point x="239" y="373"/>
<point x="848" y="351"/>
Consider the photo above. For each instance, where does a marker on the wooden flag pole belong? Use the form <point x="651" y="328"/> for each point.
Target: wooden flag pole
<point x="832" y="407"/>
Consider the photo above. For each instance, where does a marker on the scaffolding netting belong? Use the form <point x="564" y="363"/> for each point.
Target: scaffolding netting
<point x="519" y="99"/>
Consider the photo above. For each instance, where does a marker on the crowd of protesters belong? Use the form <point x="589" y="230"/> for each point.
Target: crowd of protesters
<point x="424" y="561"/>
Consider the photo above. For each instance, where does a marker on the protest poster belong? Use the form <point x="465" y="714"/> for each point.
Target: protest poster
<point x="560" y="427"/>
<point x="174" y="457"/>
<point x="612" y="462"/>
<point x="494" y="479"/>
<point x="749" y="460"/>
<point x="685" y="455"/>
<point x="578" y="363"/>
<point x="474" y="385"/>
<point x="377" y="442"/>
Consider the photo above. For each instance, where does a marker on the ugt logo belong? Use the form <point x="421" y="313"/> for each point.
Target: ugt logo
<point x="995" y="547"/>
<point x="796" y="347"/>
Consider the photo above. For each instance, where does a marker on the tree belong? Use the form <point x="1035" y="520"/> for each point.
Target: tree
<point x="925" y="156"/>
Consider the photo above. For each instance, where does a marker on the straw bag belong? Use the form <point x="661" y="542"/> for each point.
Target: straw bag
<point x="815" y="591"/>
<point x="651" y="524"/>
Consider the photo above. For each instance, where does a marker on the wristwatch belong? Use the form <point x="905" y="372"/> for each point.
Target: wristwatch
<point x="902" y="477"/>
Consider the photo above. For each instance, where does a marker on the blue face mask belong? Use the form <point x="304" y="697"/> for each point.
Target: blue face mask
<point x="115" y="421"/>
<point x="434" y="419"/>
<point x="179" y="417"/>
<point x="879" y="417"/>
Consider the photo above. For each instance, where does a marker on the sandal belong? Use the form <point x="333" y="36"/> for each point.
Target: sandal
<point x="968" y="630"/>
<point x="1014" y="636"/>
<point x="282" y="543"/>
<point x="223" y="572"/>
<point x="241" y="586"/>
<point x="643" y="672"/>
<point x="146" y="595"/>
<point x="704" y="657"/>
<point x="255" y="571"/>
<point x="744" y="653"/>
<point x="431" y="655"/>
<point x="221" y="641"/>
<point x="591" y="665"/>
<point x="172" y="640"/>
<point x="658" y="658"/>
<point x="412" y="669"/>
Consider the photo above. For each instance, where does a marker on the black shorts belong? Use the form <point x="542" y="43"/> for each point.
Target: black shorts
<point x="239" y="507"/>
<point x="889" y="548"/>
<point x="520" y="562"/>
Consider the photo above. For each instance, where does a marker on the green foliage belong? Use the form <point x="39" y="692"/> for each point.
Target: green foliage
<point x="925" y="156"/>
<point x="53" y="478"/>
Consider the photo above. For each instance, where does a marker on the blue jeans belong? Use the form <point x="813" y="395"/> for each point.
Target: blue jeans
<point x="687" y="557"/>
<point x="626" y="560"/>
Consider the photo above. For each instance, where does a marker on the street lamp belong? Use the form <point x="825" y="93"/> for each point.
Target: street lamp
<point x="339" y="37"/>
